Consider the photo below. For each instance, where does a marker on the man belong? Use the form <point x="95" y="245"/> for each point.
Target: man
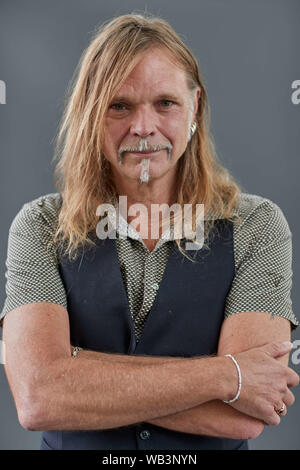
<point x="154" y="319"/>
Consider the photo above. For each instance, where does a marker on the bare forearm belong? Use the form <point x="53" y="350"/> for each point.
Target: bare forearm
<point x="129" y="358"/>
<point x="213" y="418"/>
<point x="86" y="394"/>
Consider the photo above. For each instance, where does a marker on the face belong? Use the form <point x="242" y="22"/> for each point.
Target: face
<point x="148" y="121"/>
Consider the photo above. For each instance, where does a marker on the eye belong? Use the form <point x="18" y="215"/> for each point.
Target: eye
<point x="166" y="103"/>
<point x="118" y="106"/>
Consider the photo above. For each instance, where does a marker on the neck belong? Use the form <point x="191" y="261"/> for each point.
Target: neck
<point x="155" y="191"/>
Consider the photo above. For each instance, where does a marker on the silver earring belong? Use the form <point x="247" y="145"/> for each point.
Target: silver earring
<point x="193" y="128"/>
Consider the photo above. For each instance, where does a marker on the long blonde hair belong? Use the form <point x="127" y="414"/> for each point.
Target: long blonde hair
<point x="83" y="175"/>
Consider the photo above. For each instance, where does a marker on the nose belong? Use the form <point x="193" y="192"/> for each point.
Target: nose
<point x="143" y="122"/>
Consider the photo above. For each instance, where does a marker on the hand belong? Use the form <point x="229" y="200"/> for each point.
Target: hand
<point x="265" y="382"/>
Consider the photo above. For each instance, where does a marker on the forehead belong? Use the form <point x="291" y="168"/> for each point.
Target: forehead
<point x="156" y="72"/>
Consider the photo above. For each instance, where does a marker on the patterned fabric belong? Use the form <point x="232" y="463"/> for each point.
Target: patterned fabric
<point x="142" y="272"/>
<point x="262" y="253"/>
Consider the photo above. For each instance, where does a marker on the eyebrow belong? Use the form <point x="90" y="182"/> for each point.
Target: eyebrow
<point x="161" y="96"/>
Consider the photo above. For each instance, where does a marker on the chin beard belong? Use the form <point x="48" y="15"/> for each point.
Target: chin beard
<point x="144" y="175"/>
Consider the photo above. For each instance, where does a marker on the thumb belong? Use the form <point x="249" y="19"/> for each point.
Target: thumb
<point x="278" y="348"/>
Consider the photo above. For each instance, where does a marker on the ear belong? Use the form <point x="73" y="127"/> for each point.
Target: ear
<point x="196" y="101"/>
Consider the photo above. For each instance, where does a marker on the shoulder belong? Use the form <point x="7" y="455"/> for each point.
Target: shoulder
<point x="32" y="266"/>
<point x="40" y="212"/>
<point x="35" y="223"/>
<point x="260" y="226"/>
<point x="46" y="206"/>
<point x="258" y="212"/>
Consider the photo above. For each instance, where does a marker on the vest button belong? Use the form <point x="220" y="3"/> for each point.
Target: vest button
<point x="144" y="434"/>
<point x="155" y="286"/>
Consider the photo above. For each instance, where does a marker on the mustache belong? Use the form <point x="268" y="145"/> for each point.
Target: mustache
<point x="143" y="146"/>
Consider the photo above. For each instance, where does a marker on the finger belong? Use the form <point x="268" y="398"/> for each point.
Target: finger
<point x="293" y="378"/>
<point x="288" y="398"/>
<point x="273" y="420"/>
<point x="271" y="417"/>
<point x="277" y="349"/>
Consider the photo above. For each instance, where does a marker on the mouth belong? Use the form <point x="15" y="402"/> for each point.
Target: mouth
<point x="145" y="153"/>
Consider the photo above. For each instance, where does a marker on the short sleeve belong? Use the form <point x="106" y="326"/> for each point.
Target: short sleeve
<point x="32" y="273"/>
<point x="263" y="259"/>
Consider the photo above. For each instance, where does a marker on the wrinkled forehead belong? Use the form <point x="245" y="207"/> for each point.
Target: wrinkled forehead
<point x="156" y="72"/>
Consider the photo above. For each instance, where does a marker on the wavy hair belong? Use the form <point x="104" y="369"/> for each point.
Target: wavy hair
<point x="83" y="175"/>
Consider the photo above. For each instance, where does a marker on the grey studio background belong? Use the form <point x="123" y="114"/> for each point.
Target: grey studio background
<point x="249" y="56"/>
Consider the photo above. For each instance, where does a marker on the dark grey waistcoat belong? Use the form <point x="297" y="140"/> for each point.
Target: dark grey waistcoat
<point x="185" y="320"/>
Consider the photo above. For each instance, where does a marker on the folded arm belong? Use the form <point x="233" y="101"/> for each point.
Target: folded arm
<point x="239" y="333"/>
<point x="52" y="390"/>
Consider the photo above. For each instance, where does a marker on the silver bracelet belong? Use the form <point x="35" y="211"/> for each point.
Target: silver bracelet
<point x="239" y="380"/>
<point x="75" y="351"/>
